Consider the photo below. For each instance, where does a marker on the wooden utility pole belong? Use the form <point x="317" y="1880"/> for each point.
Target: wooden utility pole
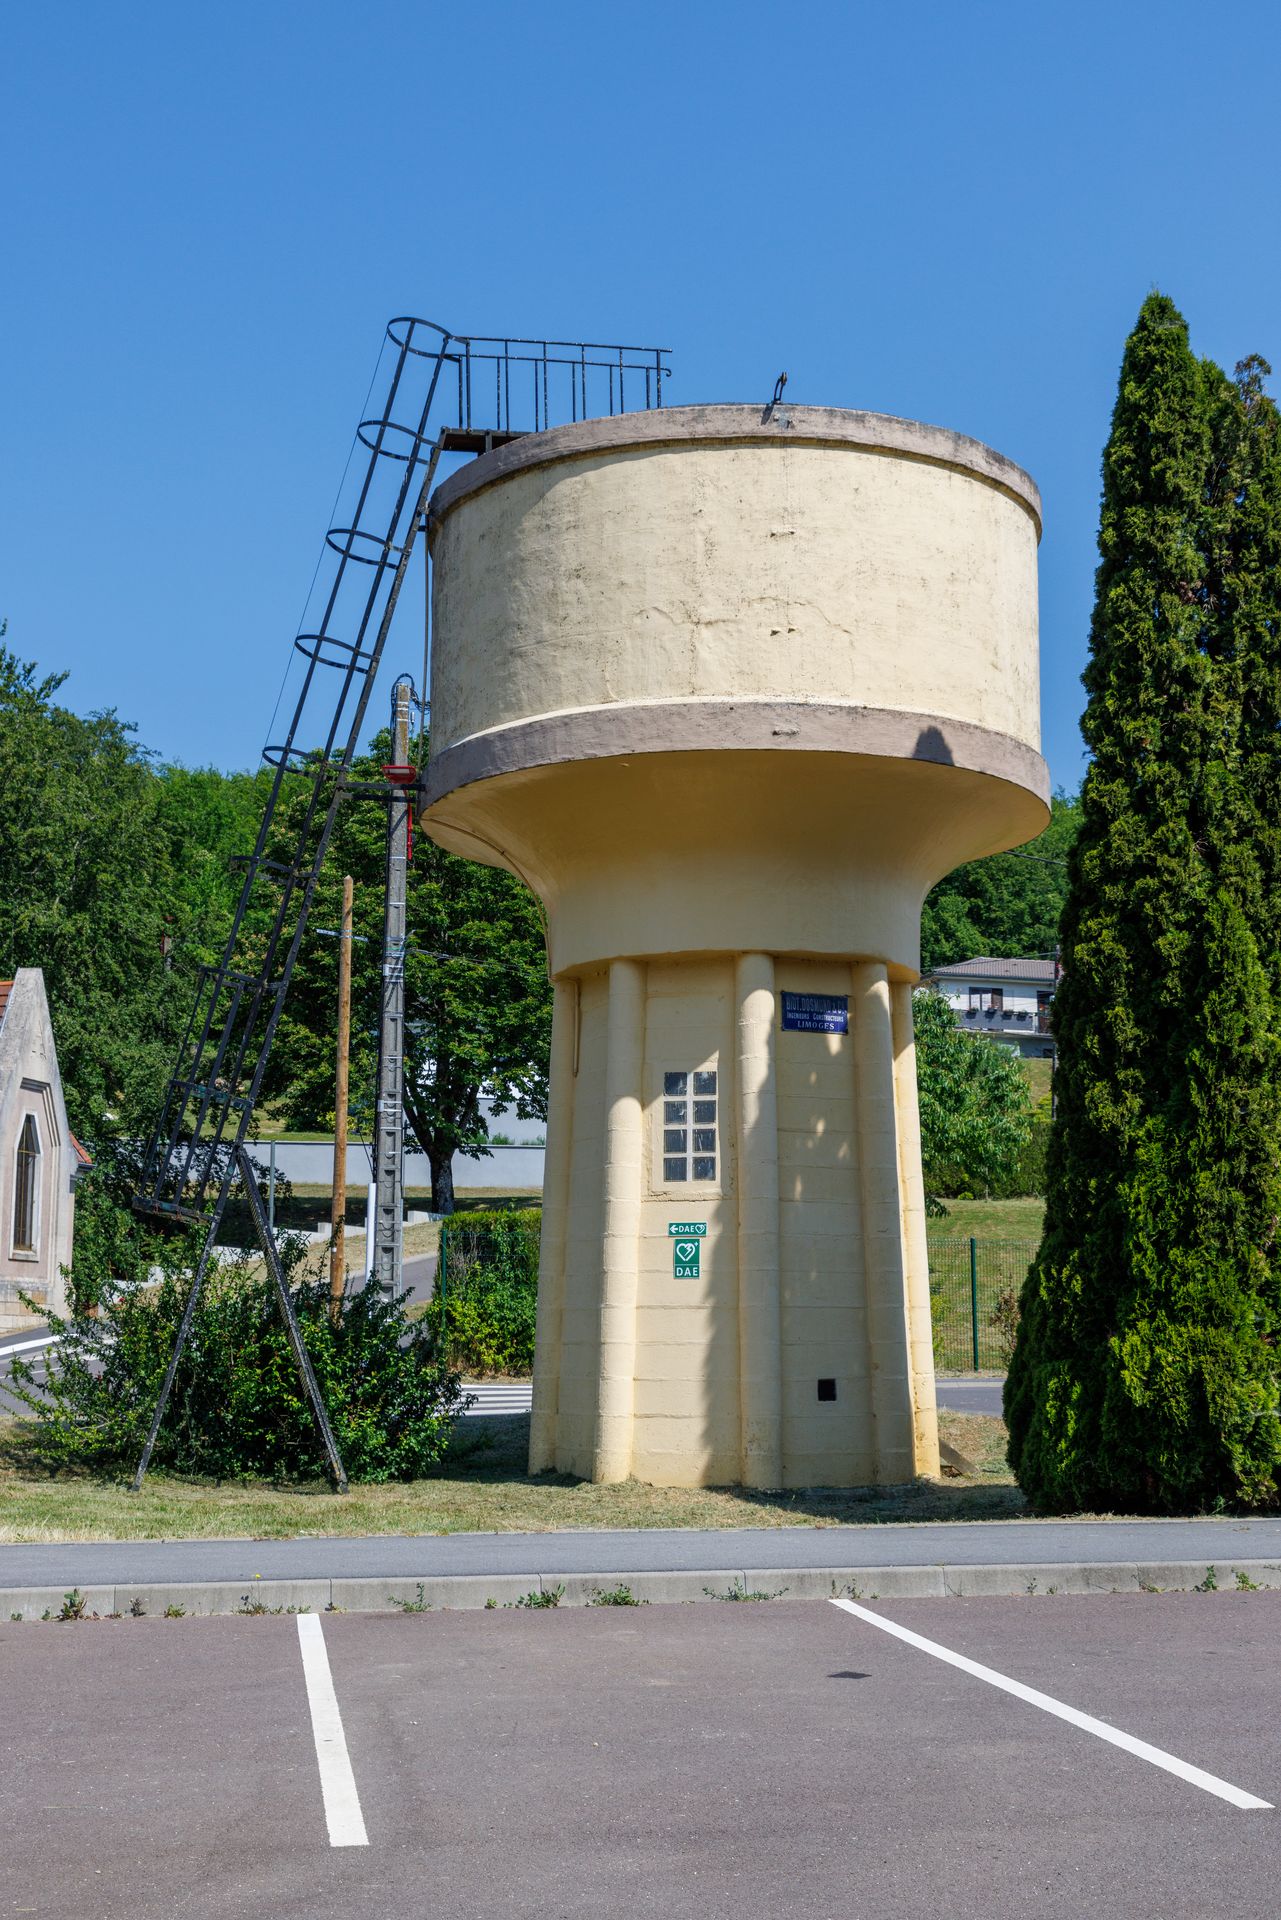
<point x="338" y="1244"/>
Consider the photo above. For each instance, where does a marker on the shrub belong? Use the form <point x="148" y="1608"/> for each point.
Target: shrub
<point x="482" y="1313"/>
<point x="238" y="1407"/>
<point x="1004" y="1317"/>
<point x="1026" y="1178"/>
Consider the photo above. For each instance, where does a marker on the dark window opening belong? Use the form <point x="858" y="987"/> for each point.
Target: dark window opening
<point x="25" y="1188"/>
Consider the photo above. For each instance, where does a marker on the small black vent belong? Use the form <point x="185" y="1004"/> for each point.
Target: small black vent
<point x="827" y="1389"/>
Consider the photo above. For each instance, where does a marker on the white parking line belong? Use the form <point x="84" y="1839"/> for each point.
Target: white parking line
<point x="27" y="1346"/>
<point x="337" y="1781"/>
<point x="1158" y="1758"/>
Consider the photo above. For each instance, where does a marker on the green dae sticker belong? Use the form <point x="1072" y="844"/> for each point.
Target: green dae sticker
<point x="686" y="1237"/>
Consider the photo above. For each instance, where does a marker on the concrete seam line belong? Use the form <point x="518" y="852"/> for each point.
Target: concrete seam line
<point x="1195" y="1776"/>
<point x="343" y="1816"/>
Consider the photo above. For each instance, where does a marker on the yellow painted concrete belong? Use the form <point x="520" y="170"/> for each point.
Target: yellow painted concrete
<point x="739" y="572"/>
<point x="731" y="705"/>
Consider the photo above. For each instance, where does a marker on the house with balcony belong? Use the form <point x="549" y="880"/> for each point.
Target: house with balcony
<point x="1009" y="1000"/>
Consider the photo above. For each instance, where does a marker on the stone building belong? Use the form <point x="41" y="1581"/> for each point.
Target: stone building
<point x="40" y="1157"/>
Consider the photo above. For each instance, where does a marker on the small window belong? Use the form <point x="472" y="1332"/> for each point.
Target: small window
<point x="689" y="1126"/>
<point x="26" y="1187"/>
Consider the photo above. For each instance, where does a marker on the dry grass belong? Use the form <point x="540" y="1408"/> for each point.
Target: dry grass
<point x="483" y="1488"/>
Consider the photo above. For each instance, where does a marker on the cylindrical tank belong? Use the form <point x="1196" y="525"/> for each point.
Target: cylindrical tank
<point x="730" y="693"/>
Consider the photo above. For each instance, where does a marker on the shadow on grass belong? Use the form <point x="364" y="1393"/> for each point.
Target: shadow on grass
<point x="495" y="1447"/>
<point x="489" y="1455"/>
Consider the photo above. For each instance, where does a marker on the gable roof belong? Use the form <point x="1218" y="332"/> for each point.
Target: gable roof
<point x="6" y="988"/>
<point x="83" y="1154"/>
<point x="988" y="968"/>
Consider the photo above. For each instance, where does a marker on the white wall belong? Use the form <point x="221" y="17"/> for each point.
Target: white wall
<point x="310" y="1163"/>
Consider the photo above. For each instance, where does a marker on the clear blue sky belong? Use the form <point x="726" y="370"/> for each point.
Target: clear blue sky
<point x="949" y="211"/>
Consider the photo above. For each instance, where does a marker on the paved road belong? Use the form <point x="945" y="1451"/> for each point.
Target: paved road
<point x="665" y="1763"/>
<point x="420" y="1275"/>
<point x="32" y="1346"/>
<point x="659" y="1550"/>
<point x="963" y="1396"/>
<point x="982" y="1395"/>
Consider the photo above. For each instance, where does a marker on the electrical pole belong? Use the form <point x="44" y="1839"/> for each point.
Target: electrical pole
<point x="387" y="1210"/>
<point x="338" y="1243"/>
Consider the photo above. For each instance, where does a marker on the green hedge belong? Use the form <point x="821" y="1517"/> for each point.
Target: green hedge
<point x="238" y="1407"/>
<point x="482" y="1312"/>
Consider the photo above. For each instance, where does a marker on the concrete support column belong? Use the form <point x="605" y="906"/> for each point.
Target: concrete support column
<point x="915" y="1244"/>
<point x="878" y="1159"/>
<point x="760" y="1330"/>
<point x="624" y="1068"/>
<point x="551" y="1252"/>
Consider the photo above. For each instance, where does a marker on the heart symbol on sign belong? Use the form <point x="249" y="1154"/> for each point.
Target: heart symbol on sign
<point x="686" y="1249"/>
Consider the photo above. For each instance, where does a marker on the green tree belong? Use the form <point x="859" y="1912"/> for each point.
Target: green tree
<point x="477" y="999"/>
<point x="85" y="886"/>
<point x="1008" y="905"/>
<point x="210" y="820"/>
<point x="1250" y="582"/>
<point x="115" y="881"/>
<point x="976" y="1111"/>
<point x="1144" y="1375"/>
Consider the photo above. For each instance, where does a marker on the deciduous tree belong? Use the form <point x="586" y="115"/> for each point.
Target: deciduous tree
<point x="976" y="1111"/>
<point x="477" y="999"/>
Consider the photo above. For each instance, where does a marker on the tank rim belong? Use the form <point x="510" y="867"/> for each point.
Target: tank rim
<point x="736" y="424"/>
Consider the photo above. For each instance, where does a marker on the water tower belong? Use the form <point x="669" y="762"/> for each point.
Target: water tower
<point x="730" y="691"/>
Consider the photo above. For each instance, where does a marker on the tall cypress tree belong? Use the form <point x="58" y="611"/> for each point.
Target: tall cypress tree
<point x="1144" y="1375"/>
<point x="1252" y="623"/>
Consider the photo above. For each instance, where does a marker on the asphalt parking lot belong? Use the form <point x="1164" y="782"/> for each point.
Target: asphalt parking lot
<point x="742" y="1760"/>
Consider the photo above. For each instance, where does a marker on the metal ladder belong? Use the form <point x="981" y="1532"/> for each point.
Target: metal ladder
<point x="444" y="393"/>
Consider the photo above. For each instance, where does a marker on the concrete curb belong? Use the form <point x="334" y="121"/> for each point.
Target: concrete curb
<point x="471" y="1591"/>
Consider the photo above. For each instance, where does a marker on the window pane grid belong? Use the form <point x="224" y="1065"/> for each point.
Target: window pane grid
<point x="689" y="1151"/>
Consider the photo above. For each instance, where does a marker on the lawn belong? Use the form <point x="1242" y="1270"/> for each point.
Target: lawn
<point x="989" y="1220"/>
<point x="1040" y="1077"/>
<point x="484" y="1489"/>
<point x="484" y="1486"/>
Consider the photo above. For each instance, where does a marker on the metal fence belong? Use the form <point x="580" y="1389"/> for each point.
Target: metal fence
<point x="974" y="1285"/>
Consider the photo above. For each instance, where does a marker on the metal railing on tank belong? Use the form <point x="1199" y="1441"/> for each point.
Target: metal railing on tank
<point x="506" y="385"/>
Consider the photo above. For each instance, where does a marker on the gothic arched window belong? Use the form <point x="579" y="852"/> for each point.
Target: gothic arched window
<point x="26" y="1187"/>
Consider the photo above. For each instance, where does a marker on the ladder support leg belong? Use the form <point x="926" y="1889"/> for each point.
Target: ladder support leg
<point x="184" y="1328"/>
<point x="268" y="1239"/>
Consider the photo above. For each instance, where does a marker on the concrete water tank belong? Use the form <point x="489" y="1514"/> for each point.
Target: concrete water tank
<point x="730" y="694"/>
